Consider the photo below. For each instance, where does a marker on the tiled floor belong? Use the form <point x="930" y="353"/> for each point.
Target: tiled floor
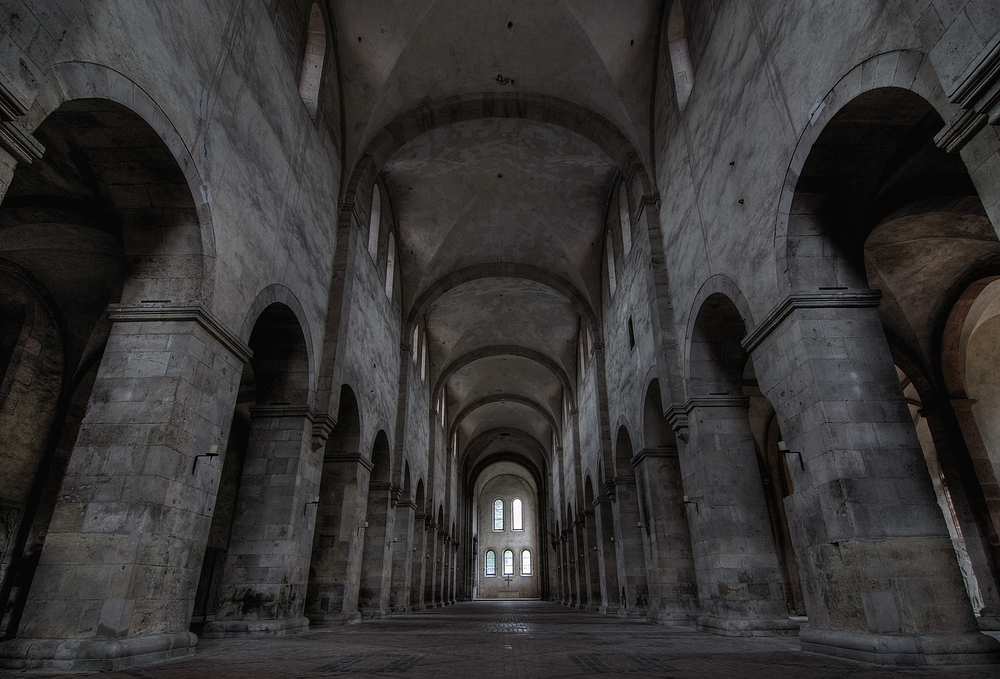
<point x="516" y="639"/>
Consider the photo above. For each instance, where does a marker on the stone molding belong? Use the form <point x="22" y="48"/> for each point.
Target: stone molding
<point x="15" y="136"/>
<point x="646" y="201"/>
<point x="659" y="451"/>
<point x="283" y="410"/>
<point x="977" y="91"/>
<point x="822" y="299"/>
<point x="19" y="142"/>
<point x="173" y="313"/>
<point x="343" y="456"/>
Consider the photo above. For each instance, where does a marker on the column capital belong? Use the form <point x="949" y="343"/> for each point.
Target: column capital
<point x="169" y="312"/>
<point x="348" y="457"/>
<point x="819" y="299"/>
<point x="658" y="451"/>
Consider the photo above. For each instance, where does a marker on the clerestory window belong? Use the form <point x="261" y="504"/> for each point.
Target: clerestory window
<point x="491" y="563"/>
<point x="516" y="517"/>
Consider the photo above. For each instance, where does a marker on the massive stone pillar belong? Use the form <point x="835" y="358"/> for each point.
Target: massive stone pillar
<point x="632" y="578"/>
<point x="606" y="558"/>
<point x="335" y="572"/>
<point x="418" y="562"/>
<point x="673" y="584"/>
<point x="740" y="588"/>
<point x="263" y="590"/>
<point x="116" y="580"/>
<point x="582" y="565"/>
<point x="430" y="565"/>
<point x="590" y="550"/>
<point x="402" y="556"/>
<point x="373" y="594"/>
<point x="879" y="575"/>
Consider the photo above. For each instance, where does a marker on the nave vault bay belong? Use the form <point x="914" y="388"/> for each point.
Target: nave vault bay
<point x="679" y="311"/>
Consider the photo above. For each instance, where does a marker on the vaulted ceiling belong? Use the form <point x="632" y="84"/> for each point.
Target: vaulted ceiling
<point x="500" y="216"/>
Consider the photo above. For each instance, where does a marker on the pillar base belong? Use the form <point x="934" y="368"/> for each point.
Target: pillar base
<point x="333" y="619"/>
<point x="902" y="649"/>
<point x="609" y="610"/>
<point x="95" y="654"/>
<point x="232" y="629"/>
<point x="748" y="627"/>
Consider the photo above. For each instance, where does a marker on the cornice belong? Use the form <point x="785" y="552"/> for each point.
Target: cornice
<point x="821" y="299"/>
<point x="167" y="312"/>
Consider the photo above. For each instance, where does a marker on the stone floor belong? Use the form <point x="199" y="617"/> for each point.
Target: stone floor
<point x="514" y="639"/>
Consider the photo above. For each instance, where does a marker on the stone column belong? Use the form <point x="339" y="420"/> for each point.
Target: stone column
<point x="592" y="567"/>
<point x="418" y="562"/>
<point x="606" y="558"/>
<point x="117" y="578"/>
<point x="978" y="530"/>
<point x="879" y="575"/>
<point x="335" y="571"/>
<point x="454" y="571"/>
<point x="572" y="567"/>
<point x="629" y="550"/>
<point x="373" y="595"/>
<point x="583" y="574"/>
<point x="740" y="588"/>
<point x="402" y="571"/>
<point x="673" y="584"/>
<point x="263" y="589"/>
<point x="985" y="471"/>
<point x="430" y="566"/>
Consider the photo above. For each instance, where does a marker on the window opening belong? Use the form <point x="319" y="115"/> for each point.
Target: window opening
<point x="526" y="562"/>
<point x="508" y="562"/>
<point x="423" y="359"/>
<point x="631" y="334"/>
<point x="498" y="515"/>
<point x="416" y="343"/>
<point x="516" y="519"/>
<point x="312" y="62"/>
<point x="374" y="222"/>
<point x="390" y="265"/>
<point x="680" y="56"/>
<point x="625" y="219"/>
<point x="491" y="563"/>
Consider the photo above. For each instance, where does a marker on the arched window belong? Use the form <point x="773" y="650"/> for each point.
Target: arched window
<point x="526" y="562"/>
<point x="516" y="517"/>
<point x="423" y="358"/>
<point x="612" y="277"/>
<point x="680" y="55"/>
<point x="508" y="562"/>
<point x="491" y="563"/>
<point x="625" y="219"/>
<point x="312" y="62"/>
<point x="416" y="343"/>
<point x="498" y="515"/>
<point x="390" y="265"/>
<point x="374" y="222"/>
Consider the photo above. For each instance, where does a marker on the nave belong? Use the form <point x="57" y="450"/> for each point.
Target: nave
<point x="515" y="640"/>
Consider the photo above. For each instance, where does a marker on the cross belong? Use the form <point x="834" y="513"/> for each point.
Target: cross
<point x="508" y="579"/>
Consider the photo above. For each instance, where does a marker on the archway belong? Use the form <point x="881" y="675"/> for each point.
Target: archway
<point x="105" y="230"/>
<point x="630" y="548"/>
<point x="876" y="205"/>
<point x="674" y="589"/>
<point x="332" y="594"/>
<point x="726" y="509"/>
<point x="507" y="533"/>
<point x="373" y="595"/>
<point x="277" y="480"/>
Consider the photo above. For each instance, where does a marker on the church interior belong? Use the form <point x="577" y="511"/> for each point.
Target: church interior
<point x="318" y="315"/>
